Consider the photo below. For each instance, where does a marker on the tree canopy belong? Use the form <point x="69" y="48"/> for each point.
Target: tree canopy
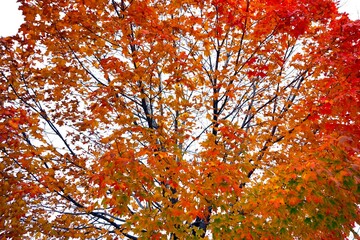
<point x="185" y="119"/>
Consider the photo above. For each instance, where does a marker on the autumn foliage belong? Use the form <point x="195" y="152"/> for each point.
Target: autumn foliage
<point x="186" y="119"/>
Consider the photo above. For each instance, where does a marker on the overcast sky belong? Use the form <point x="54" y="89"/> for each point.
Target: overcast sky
<point x="11" y="18"/>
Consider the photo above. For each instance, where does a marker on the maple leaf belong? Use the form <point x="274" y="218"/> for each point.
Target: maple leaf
<point x="150" y="119"/>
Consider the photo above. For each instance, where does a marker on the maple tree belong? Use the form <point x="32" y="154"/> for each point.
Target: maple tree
<point x="180" y="119"/>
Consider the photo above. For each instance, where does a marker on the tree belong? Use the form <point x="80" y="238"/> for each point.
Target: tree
<point x="180" y="119"/>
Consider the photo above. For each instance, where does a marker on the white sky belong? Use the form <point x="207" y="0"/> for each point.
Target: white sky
<point x="11" y="18"/>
